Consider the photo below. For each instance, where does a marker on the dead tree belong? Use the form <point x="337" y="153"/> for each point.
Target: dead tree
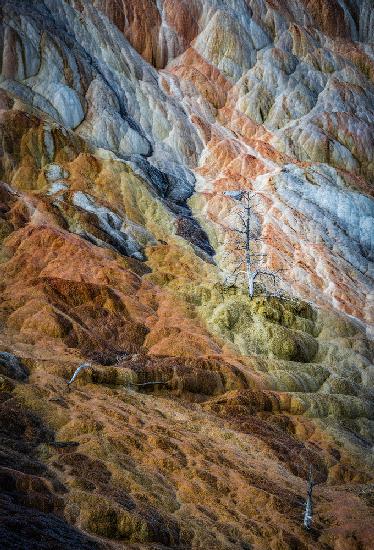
<point x="308" y="514"/>
<point x="250" y="263"/>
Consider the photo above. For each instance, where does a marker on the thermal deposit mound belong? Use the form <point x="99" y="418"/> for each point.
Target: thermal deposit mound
<point x="129" y="131"/>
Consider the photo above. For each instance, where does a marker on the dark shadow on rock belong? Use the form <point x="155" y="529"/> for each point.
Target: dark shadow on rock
<point x="12" y="367"/>
<point x="31" y="497"/>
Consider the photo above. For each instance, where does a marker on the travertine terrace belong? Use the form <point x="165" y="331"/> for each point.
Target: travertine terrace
<point x="124" y="124"/>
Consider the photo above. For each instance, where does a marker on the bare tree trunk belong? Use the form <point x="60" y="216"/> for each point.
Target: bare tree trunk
<point x="250" y="275"/>
<point x="250" y="286"/>
<point x="308" y="514"/>
<point x="250" y="278"/>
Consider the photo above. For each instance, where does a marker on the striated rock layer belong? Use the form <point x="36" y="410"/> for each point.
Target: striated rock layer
<point x="123" y="124"/>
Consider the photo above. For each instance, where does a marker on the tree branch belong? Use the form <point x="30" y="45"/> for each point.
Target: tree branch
<point x="77" y="371"/>
<point x="150" y="383"/>
<point x="267" y="273"/>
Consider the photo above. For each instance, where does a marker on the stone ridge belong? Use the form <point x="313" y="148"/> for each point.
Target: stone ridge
<point x="124" y="126"/>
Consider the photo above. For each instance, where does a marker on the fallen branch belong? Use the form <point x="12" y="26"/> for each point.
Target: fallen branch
<point x="150" y="383"/>
<point x="77" y="371"/>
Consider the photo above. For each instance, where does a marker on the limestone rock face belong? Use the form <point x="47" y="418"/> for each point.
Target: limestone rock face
<point x="128" y="130"/>
<point x="244" y="88"/>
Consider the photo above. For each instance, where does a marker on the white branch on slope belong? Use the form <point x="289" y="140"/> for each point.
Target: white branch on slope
<point x="77" y="371"/>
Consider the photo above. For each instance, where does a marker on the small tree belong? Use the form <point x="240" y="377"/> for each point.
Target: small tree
<point x="250" y="262"/>
<point x="308" y="514"/>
